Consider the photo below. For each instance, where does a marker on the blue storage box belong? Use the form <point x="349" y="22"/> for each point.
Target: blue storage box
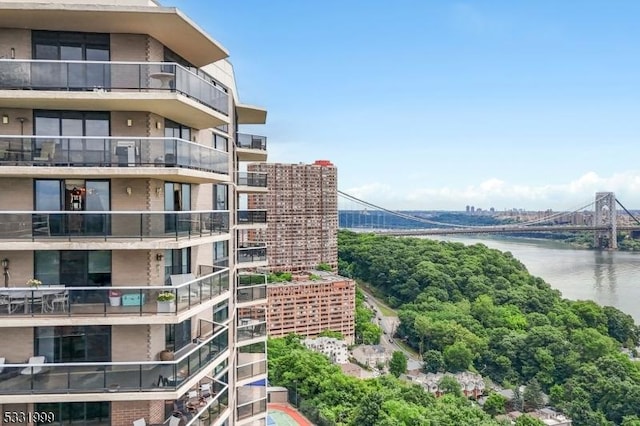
<point x="133" y="299"/>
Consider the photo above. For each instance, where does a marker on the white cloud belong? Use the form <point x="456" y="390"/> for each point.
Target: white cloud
<point x="500" y="194"/>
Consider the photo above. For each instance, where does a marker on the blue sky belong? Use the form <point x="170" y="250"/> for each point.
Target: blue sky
<point x="439" y="104"/>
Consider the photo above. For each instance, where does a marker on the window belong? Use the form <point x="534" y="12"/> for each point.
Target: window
<point x="177" y="261"/>
<point x="177" y="198"/>
<point x="177" y="336"/>
<point x="75" y="268"/>
<point x="77" y="413"/>
<point x="76" y="151"/>
<point x="72" y="195"/>
<point x="70" y="46"/>
<point x="91" y="343"/>
<point x="221" y="197"/>
<point x="220" y="142"/>
<point x="221" y="253"/>
<point x="221" y="312"/>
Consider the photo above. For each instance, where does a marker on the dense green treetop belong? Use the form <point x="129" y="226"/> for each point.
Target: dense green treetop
<point x="478" y="308"/>
<point x="331" y="397"/>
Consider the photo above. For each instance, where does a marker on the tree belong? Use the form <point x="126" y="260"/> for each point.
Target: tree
<point x="495" y="404"/>
<point x="331" y="333"/>
<point x="433" y="361"/>
<point x="398" y="363"/>
<point x="631" y="421"/>
<point x="525" y="420"/>
<point x="457" y="357"/>
<point x="532" y="395"/>
<point x="448" y="384"/>
<point x="369" y="410"/>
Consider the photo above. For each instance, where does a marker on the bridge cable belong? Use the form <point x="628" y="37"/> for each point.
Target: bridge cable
<point x="628" y="212"/>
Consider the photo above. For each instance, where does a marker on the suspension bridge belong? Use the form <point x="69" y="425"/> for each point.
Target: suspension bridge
<point x="605" y="220"/>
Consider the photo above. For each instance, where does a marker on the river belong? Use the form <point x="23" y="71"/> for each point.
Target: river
<point x="606" y="277"/>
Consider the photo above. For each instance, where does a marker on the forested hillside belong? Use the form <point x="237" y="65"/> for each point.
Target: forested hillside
<point x="333" y="398"/>
<point x="474" y="307"/>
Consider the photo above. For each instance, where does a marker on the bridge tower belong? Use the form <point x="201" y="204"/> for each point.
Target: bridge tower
<point x="605" y="215"/>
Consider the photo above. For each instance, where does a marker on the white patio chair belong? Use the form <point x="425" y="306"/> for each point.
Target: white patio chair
<point x="140" y="422"/>
<point x="61" y="299"/>
<point x="4" y="301"/>
<point x="205" y="390"/>
<point x="28" y="371"/>
<point x="1" y="365"/>
<point x="185" y="292"/>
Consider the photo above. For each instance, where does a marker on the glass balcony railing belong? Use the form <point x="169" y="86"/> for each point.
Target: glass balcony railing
<point x="251" y="294"/>
<point x="211" y="410"/>
<point x="255" y="329"/>
<point x="252" y="252"/>
<point x="253" y="179"/>
<point x="247" y="141"/>
<point x="249" y="279"/>
<point x="252" y="409"/>
<point x="100" y="377"/>
<point x="111" y="225"/>
<point x="251" y="370"/>
<point x="60" y="300"/>
<point x="113" y="77"/>
<point x="113" y="151"/>
<point x="250" y="217"/>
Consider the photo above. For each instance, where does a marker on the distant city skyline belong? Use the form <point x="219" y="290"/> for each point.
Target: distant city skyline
<point x="427" y="105"/>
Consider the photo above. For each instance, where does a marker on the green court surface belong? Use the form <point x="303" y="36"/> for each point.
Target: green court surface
<point x="280" y="418"/>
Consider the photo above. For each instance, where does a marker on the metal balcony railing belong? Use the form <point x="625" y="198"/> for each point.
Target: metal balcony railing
<point x="102" y="377"/>
<point x="252" y="252"/>
<point x="58" y="300"/>
<point x="111" y="225"/>
<point x="249" y="217"/>
<point x="100" y="76"/>
<point x="247" y="141"/>
<point x="252" y="179"/>
<point x="112" y="151"/>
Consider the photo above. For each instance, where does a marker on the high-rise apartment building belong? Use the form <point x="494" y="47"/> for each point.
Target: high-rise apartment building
<point x="122" y="247"/>
<point x="302" y="211"/>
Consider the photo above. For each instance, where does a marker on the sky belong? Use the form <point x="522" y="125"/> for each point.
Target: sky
<point x="435" y="105"/>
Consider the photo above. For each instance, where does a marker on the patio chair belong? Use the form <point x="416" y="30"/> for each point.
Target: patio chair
<point x="184" y="293"/>
<point x="28" y="371"/>
<point x="4" y="301"/>
<point x="205" y="390"/>
<point x="1" y="365"/>
<point x="61" y="299"/>
<point x="140" y="422"/>
<point x="47" y="152"/>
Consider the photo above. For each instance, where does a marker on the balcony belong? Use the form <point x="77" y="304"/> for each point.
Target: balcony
<point x="251" y="147"/>
<point x="251" y="219"/>
<point x="252" y="401"/>
<point x="164" y="88"/>
<point x="121" y="304"/>
<point x="251" y="182"/>
<point x="112" y="377"/>
<point x="87" y="156"/>
<point x="252" y="255"/>
<point x="113" y="226"/>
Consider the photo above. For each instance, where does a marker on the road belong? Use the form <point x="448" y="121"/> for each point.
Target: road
<point x="389" y="325"/>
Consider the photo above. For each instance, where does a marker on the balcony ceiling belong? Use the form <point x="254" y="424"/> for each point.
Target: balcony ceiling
<point x="250" y="114"/>
<point x="172" y="105"/>
<point x="166" y="24"/>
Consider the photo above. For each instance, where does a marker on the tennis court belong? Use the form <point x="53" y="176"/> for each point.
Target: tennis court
<point x="285" y="415"/>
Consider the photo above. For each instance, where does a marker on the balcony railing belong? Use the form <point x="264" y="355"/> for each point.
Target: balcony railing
<point x="252" y="252"/>
<point x="253" y="179"/>
<point x="254" y="330"/>
<point x="247" y="141"/>
<point x="58" y="300"/>
<point x="246" y="217"/>
<point x="102" y="377"/>
<point x="112" y="77"/>
<point x="250" y="294"/>
<point x="253" y="369"/>
<point x="113" y="151"/>
<point x="249" y="279"/>
<point x="111" y="225"/>
<point x="211" y="411"/>
<point x="252" y="409"/>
